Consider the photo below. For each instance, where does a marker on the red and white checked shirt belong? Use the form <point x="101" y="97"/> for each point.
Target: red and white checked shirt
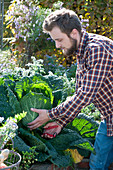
<point x="94" y="81"/>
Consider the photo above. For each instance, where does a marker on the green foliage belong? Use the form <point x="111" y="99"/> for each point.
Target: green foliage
<point x="33" y="100"/>
<point x="69" y="87"/>
<point x="43" y="87"/>
<point x="32" y="140"/>
<point x="28" y="158"/>
<point x="8" y="128"/>
<point x="12" y="91"/>
<point x="28" y="28"/>
<point x="85" y="125"/>
<point x="79" y="135"/>
<point x="71" y="139"/>
<point x="23" y="93"/>
<point x="7" y="63"/>
<point x="96" y="15"/>
<point x="54" y="81"/>
<point x="5" y="108"/>
<point x="23" y="86"/>
<point x="99" y="13"/>
<point x="92" y="111"/>
<point x="36" y="66"/>
<point x="62" y="82"/>
<point x="20" y="116"/>
<point x="13" y="101"/>
<point x="20" y="145"/>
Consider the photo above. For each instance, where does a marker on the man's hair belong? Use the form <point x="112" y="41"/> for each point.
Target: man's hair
<point x="65" y="19"/>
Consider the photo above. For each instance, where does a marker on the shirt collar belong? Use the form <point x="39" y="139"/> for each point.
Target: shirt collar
<point x="82" y="44"/>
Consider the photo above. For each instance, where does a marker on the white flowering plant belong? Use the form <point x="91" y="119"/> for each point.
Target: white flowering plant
<point x="25" y="19"/>
<point x="8" y="128"/>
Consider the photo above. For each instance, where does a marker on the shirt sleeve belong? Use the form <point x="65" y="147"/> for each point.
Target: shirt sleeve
<point x="98" y="67"/>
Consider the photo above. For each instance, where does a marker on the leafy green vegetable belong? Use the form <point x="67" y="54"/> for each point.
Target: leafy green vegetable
<point x="62" y="160"/>
<point x="33" y="100"/>
<point x="33" y="140"/>
<point x="86" y="126"/>
<point x="5" y="108"/>
<point x="20" y="145"/>
<point x="91" y="110"/>
<point x="45" y="149"/>
<point x="1" y="81"/>
<point x="13" y="101"/>
<point x="70" y="139"/>
<point x="9" y="83"/>
<point x="18" y="94"/>
<point x="54" y="81"/>
<point x="57" y="97"/>
<point x="43" y="87"/>
<point x="23" y="86"/>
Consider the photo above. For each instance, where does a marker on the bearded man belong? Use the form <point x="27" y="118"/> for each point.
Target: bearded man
<point x="94" y="82"/>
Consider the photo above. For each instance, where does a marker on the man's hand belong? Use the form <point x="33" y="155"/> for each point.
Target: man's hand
<point x="40" y="120"/>
<point x="51" y="130"/>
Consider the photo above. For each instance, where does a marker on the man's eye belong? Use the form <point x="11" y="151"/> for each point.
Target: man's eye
<point x="60" y="40"/>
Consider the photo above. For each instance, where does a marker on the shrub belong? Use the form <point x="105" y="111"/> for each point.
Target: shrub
<point x="25" y="19"/>
<point x="98" y="12"/>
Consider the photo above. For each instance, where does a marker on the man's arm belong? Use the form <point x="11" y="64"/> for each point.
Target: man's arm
<point x="98" y="68"/>
<point x="91" y="82"/>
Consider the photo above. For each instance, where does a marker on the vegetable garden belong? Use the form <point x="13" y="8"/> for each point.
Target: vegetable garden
<point x="33" y="74"/>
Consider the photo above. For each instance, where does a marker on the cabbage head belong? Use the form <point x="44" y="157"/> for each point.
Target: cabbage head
<point x="33" y="100"/>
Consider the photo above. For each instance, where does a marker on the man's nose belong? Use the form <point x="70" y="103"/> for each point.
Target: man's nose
<point x="58" y="45"/>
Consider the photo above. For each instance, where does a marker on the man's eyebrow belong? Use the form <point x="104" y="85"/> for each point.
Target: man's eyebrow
<point x="58" y="39"/>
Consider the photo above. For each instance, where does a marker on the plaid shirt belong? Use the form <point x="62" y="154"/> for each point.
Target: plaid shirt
<point x="94" y="81"/>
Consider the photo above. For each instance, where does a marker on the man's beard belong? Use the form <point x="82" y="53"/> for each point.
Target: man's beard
<point x="72" y="49"/>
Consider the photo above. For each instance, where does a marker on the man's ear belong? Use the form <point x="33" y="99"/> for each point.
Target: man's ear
<point x="73" y="34"/>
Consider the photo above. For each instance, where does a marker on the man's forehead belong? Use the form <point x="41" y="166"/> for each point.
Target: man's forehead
<point x="56" y="33"/>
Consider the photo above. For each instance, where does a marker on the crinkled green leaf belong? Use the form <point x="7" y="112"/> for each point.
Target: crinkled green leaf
<point x="57" y="97"/>
<point x="22" y="86"/>
<point x="13" y="101"/>
<point x="42" y="157"/>
<point x="33" y="140"/>
<point x="57" y="157"/>
<point x="54" y="81"/>
<point x="42" y="87"/>
<point x="86" y="126"/>
<point x="37" y="77"/>
<point x="1" y="81"/>
<point x="33" y="100"/>
<point x="20" y="145"/>
<point x="9" y="83"/>
<point x="70" y="139"/>
<point x="5" y="108"/>
<point x="46" y="151"/>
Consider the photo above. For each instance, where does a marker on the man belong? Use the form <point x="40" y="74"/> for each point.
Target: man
<point x="94" y="82"/>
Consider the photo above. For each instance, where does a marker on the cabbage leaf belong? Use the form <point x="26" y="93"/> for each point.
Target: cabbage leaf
<point x="33" y="100"/>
